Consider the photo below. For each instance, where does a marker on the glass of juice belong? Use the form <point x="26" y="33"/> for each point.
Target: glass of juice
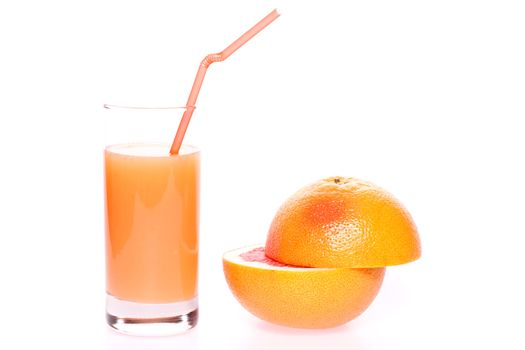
<point x="152" y="224"/>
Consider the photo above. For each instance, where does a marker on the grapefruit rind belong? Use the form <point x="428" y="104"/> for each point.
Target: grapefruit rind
<point x="300" y="297"/>
<point x="343" y="222"/>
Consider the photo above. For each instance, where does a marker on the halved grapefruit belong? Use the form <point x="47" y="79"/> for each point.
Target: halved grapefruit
<point x="325" y="254"/>
<point x="298" y="296"/>
<point x="343" y="222"/>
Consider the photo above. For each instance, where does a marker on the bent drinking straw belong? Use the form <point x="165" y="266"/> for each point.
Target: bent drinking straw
<point x="201" y="72"/>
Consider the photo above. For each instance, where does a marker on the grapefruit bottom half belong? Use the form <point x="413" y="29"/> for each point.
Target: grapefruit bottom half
<point x="297" y="296"/>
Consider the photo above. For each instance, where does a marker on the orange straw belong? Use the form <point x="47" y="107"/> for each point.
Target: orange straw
<point x="209" y="59"/>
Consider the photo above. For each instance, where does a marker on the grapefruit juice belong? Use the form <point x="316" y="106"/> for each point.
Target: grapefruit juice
<point x="152" y="224"/>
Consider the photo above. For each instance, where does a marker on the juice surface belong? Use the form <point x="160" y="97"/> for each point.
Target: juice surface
<point x="152" y="218"/>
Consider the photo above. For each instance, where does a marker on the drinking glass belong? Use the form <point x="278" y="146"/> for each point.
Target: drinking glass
<point x="151" y="223"/>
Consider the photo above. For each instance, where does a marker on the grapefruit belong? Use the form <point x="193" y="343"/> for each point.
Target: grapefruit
<point x="325" y="254"/>
<point x="297" y="296"/>
<point x="343" y="222"/>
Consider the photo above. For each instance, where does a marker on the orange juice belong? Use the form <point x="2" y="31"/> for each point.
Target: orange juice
<point x="152" y="223"/>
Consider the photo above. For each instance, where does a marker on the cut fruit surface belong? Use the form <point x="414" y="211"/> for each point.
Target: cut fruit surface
<point x="298" y="296"/>
<point x="343" y="222"/>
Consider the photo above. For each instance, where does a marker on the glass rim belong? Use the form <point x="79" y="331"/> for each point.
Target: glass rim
<point x="122" y="107"/>
<point x="113" y="148"/>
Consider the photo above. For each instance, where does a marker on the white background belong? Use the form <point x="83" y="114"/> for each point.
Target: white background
<point x="424" y="98"/>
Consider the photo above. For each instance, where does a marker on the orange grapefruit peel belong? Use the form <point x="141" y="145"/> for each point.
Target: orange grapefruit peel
<point x="343" y="222"/>
<point x="297" y="296"/>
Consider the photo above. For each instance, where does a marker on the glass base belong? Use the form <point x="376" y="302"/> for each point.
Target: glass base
<point x="151" y="319"/>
